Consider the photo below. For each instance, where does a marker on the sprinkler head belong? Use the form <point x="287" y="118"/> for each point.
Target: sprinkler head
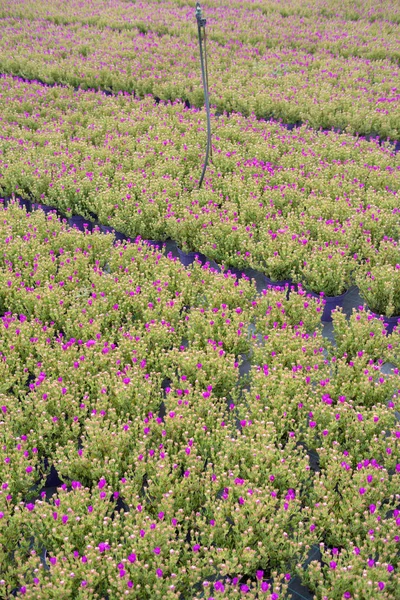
<point x="200" y="20"/>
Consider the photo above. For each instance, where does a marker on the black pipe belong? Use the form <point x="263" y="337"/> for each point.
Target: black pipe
<point x="201" y="23"/>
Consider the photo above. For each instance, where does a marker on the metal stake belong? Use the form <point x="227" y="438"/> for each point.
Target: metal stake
<point x="201" y="24"/>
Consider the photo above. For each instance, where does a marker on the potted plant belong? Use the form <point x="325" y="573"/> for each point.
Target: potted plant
<point x="380" y="288"/>
<point x="326" y="271"/>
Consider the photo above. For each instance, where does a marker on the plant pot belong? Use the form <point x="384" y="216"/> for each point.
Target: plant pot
<point x="390" y="322"/>
<point x="44" y="207"/>
<point x="331" y="302"/>
<point x="80" y="223"/>
<point x="117" y="234"/>
<point x="187" y="258"/>
<point x="21" y="201"/>
<point x="26" y="203"/>
<point x="244" y="273"/>
<point x="282" y="284"/>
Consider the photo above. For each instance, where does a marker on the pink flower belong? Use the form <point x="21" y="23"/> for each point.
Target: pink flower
<point x="219" y="587"/>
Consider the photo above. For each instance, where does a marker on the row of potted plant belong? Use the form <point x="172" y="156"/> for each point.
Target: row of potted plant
<point x="316" y="87"/>
<point x="286" y="238"/>
<point x="179" y="476"/>
<point x="311" y="29"/>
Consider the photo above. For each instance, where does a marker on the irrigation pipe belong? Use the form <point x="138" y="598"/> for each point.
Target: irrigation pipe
<point x="201" y="24"/>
